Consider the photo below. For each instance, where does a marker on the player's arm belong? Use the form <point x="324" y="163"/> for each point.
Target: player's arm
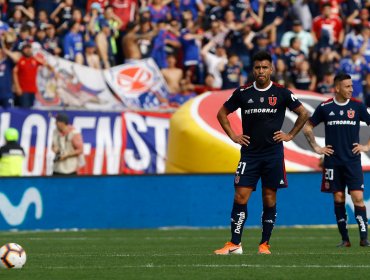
<point x="308" y="133"/>
<point x="299" y="123"/>
<point x="225" y="124"/>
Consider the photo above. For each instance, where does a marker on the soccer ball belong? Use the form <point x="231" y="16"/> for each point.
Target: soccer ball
<point x="12" y="255"/>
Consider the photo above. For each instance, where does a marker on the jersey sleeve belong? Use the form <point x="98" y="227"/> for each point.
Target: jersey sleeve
<point x="317" y="116"/>
<point x="364" y="114"/>
<point x="292" y="101"/>
<point x="233" y="103"/>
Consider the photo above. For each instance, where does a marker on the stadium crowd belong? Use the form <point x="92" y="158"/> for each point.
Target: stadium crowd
<point x="199" y="45"/>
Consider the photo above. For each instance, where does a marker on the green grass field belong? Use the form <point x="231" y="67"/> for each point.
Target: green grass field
<point x="297" y="253"/>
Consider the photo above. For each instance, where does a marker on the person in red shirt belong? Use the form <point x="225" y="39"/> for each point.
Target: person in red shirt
<point x="125" y="10"/>
<point x="24" y="76"/>
<point x="328" y="25"/>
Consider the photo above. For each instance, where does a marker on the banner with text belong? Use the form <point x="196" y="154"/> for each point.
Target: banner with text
<point x="114" y="143"/>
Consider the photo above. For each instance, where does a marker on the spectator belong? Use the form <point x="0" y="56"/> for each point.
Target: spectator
<point x="328" y="25"/>
<point x="241" y="43"/>
<point x="305" y="38"/>
<point x="24" y="76"/>
<point x="303" y="77"/>
<point x="11" y="154"/>
<point x="209" y="81"/>
<point x="91" y="59"/>
<point x="214" y="62"/>
<point x="73" y="43"/>
<point x="281" y="75"/>
<point x="232" y="76"/>
<point x="25" y="36"/>
<point x="326" y="86"/>
<point x="67" y="144"/>
<point x="172" y="74"/>
<point x="62" y="15"/>
<point x="52" y="42"/>
<point x="164" y="43"/>
<point x="104" y="44"/>
<point x="159" y="11"/>
<point x="196" y="7"/>
<point x="186" y="93"/>
<point x="125" y="10"/>
<point x="302" y="12"/>
<point x="352" y="40"/>
<point x="190" y="41"/>
<point x="294" y="56"/>
<point x="356" y="67"/>
<point x="144" y="37"/>
<point x="7" y="62"/>
<point x="93" y="3"/>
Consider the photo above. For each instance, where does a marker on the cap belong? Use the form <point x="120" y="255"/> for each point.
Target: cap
<point x="90" y="44"/>
<point x="262" y="36"/>
<point x="95" y="6"/>
<point x="297" y="22"/>
<point x="144" y="10"/>
<point x="11" y="134"/>
<point x="61" y="117"/>
<point x="104" y="23"/>
<point x="25" y="44"/>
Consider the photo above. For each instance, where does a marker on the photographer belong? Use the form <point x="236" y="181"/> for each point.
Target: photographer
<point x="67" y="146"/>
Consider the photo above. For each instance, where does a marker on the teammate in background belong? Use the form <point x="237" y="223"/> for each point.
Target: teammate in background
<point x="67" y="146"/>
<point x="263" y="105"/>
<point x="11" y="154"/>
<point x="342" y="159"/>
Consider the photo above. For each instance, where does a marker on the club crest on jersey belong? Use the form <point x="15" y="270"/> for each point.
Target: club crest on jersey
<point x="350" y="113"/>
<point x="272" y="100"/>
<point x="237" y="179"/>
<point x="262" y="99"/>
<point x="341" y="113"/>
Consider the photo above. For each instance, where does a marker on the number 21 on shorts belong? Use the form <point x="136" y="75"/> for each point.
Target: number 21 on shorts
<point x="241" y="168"/>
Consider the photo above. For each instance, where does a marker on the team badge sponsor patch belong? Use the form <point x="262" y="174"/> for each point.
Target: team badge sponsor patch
<point x="351" y="113"/>
<point x="272" y="100"/>
<point x="326" y="185"/>
<point x="262" y="99"/>
<point x="237" y="179"/>
<point x="341" y="113"/>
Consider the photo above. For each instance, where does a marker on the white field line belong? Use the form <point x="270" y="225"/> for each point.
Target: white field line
<point x="115" y="255"/>
<point x="151" y="265"/>
<point x="250" y="240"/>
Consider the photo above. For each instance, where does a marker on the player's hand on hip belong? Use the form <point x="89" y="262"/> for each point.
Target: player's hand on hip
<point x="358" y="148"/>
<point x="327" y="150"/>
<point x="280" y="136"/>
<point x="242" y="139"/>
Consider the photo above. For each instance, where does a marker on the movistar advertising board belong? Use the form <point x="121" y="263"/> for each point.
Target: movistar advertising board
<point x="147" y="201"/>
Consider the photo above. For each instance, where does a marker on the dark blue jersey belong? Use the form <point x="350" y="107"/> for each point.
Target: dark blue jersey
<point x="342" y="127"/>
<point x="262" y="113"/>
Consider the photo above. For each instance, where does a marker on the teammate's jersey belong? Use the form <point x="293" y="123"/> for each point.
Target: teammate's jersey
<point x="262" y="113"/>
<point x="342" y="127"/>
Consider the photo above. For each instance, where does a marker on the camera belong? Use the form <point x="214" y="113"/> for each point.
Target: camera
<point x="57" y="157"/>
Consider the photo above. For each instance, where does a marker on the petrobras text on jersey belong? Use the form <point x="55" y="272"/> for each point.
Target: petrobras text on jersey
<point x="260" y="111"/>
<point x="341" y="122"/>
<point x="114" y="143"/>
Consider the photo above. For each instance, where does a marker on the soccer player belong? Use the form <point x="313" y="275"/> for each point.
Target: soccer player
<point x="342" y="159"/>
<point x="263" y="104"/>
